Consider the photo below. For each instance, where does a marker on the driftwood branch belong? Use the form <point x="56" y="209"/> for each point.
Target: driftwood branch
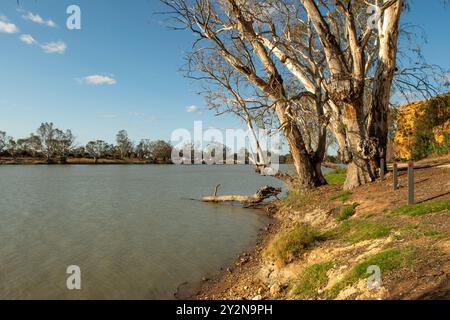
<point x="261" y="195"/>
<point x="217" y="189"/>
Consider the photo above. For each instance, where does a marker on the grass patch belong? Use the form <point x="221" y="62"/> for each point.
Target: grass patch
<point x="388" y="260"/>
<point x="291" y="244"/>
<point x="294" y="200"/>
<point x="342" y="196"/>
<point x="423" y="208"/>
<point x="311" y="280"/>
<point x="359" y="230"/>
<point x="336" y="177"/>
<point x="409" y="226"/>
<point x="347" y="212"/>
<point x="433" y="233"/>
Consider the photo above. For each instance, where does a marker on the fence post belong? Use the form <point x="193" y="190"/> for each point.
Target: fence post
<point x="411" y="183"/>
<point x="382" y="169"/>
<point x="395" y="176"/>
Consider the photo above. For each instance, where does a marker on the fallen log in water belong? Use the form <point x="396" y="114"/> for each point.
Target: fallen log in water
<point x="261" y="195"/>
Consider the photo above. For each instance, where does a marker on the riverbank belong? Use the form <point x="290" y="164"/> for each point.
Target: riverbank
<point x="323" y="243"/>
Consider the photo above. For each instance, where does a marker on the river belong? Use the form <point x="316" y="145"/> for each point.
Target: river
<point x="132" y="230"/>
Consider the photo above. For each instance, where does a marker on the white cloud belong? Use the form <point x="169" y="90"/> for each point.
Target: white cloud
<point x="28" y="39"/>
<point x="108" y="115"/>
<point x="192" y="109"/>
<point x="54" y="47"/>
<point x="39" y="20"/>
<point x="98" y="80"/>
<point x="6" y="26"/>
<point x="137" y="114"/>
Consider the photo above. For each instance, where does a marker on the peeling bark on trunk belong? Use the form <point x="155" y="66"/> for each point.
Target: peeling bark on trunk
<point x="378" y="126"/>
<point x="306" y="170"/>
<point x="361" y="167"/>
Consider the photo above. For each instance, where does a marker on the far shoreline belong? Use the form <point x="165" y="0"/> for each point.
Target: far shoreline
<point x="91" y="161"/>
<point x="74" y="161"/>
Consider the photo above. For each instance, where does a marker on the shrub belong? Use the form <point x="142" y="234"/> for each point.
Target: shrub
<point x="436" y="112"/>
<point x="347" y="212"/>
<point x="291" y="244"/>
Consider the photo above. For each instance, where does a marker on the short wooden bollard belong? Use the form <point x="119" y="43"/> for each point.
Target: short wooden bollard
<point x="395" y="176"/>
<point x="411" y="183"/>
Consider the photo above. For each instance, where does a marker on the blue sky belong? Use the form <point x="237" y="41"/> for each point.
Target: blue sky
<point x="124" y="44"/>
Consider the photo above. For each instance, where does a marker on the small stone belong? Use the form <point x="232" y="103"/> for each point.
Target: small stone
<point x="258" y="297"/>
<point x="275" y="289"/>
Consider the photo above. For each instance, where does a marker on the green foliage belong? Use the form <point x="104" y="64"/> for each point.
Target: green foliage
<point x="359" y="230"/>
<point x="436" y="113"/>
<point x="433" y="233"/>
<point x="342" y="196"/>
<point x="336" y="177"/>
<point x="388" y="260"/>
<point x="291" y="244"/>
<point x="441" y="149"/>
<point x="423" y="208"/>
<point x="347" y="212"/>
<point x="311" y="280"/>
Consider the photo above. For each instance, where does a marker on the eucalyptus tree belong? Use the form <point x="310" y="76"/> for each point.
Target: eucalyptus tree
<point x="227" y="91"/>
<point x="47" y="135"/>
<point x="11" y="147"/>
<point x="97" y="149"/>
<point x="160" y="151"/>
<point x="30" y="146"/>
<point x="225" y="26"/>
<point x="335" y="51"/>
<point x="54" y="143"/>
<point x="64" y="144"/>
<point x="124" y="144"/>
<point x="2" y="141"/>
<point x="142" y="149"/>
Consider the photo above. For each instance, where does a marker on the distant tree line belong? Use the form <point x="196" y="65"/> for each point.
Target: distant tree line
<point x="55" y="145"/>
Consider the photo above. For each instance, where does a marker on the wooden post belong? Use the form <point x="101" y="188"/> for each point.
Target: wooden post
<point x="382" y="169"/>
<point x="411" y="183"/>
<point x="395" y="176"/>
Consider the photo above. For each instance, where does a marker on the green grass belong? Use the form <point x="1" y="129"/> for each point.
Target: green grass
<point x="347" y="212"/>
<point x="311" y="280"/>
<point x="336" y="177"/>
<point x="388" y="260"/>
<point x="433" y="233"/>
<point x="291" y="244"/>
<point x="423" y="208"/>
<point x="409" y="226"/>
<point x="359" y="230"/>
<point x="342" y="196"/>
<point x="294" y="200"/>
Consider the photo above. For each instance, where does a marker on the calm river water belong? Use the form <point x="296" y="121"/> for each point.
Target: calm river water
<point x="131" y="229"/>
